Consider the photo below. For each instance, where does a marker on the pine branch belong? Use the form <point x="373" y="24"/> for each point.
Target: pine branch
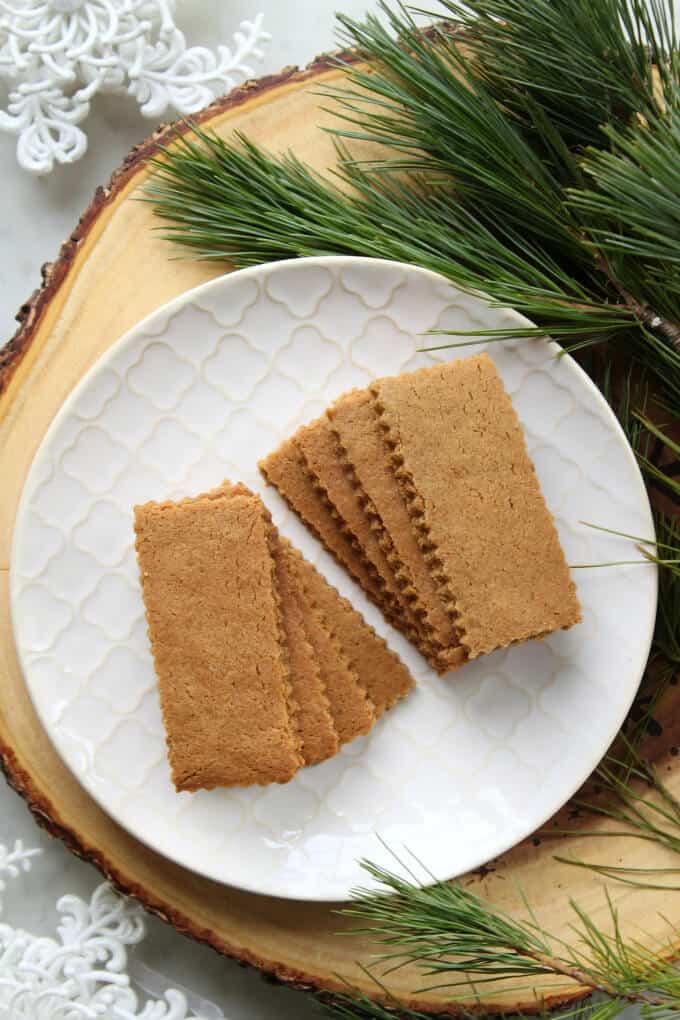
<point x="643" y="313"/>
<point x="355" y="1006"/>
<point x="424" y="98"/>
<point x="631" y="792"/>
<point x="598" y="68"/>
<point x="485" y="201"/>
<point x="614" y="57"/>
<point x="214" y="195"/>
<point x="631" y="215"/>
<point x="447" y="931"/>
<point x="358" y="1007"/>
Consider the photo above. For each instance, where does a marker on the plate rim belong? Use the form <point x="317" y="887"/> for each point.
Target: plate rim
<point x="169" y="309"/>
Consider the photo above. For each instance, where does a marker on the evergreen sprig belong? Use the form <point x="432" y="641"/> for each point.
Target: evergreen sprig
<point x="450" y="934"/>
<point x="486" y="178"/>
<point x="631" y="792"/>
<point x="581" y="65"/>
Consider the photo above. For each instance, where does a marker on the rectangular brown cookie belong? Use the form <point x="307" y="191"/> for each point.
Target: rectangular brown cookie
<point x="285" y="470"/>
<point x="381" y="673"/>
<point x="323" y="459"/>
<point x="351" y="707"/>
<point x="332" y="705"/>
<point x="215" y="632"/>
<point x="459" y="455"/>
<point x="308" y="675"/>
<point x="339" y="634"/>
<point x="367" y="461"/>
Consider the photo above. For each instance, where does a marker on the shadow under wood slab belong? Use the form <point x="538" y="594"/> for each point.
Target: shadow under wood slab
<point x="113" y="271"/>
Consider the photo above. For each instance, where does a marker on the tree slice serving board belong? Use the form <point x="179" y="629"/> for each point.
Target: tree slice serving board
<point x="113" y="271"/>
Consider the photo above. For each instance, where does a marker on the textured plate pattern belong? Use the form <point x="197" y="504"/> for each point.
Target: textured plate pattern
<point x="468" y="765"/>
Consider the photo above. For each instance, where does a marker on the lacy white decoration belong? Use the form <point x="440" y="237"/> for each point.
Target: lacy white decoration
<point x="13" y="862"/>
<point x="57" y="54"/>
<point x="85" y="971"/>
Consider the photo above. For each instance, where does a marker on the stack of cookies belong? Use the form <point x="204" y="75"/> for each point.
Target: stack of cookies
<point x="422" y="488"/>
<point x="262" y="667"/>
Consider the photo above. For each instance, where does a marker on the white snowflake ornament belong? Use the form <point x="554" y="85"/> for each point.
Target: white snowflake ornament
<point x="13" y="862"/>
<point x="85" y="972"/>
<point x="57" y="54"/>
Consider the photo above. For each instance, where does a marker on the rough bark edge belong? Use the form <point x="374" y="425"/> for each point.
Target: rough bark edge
<point x="29" y="317"/>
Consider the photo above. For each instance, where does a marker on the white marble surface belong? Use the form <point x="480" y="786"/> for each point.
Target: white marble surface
<point x="36" y="214"/>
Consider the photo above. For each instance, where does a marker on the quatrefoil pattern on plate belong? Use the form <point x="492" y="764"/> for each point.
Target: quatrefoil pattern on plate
<point x="468" y="764"/>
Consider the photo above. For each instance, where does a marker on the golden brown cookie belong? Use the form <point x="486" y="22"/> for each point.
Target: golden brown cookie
<point x="381" y="673"/>
<point x="285" y="470"/>
<point x="352" y="709"/>
<point x="315" y="713"/>
<point x="324" y="462"/>
<point x="367" y="461"/>
<point x="309" y="473"/>
<point x="332" y="704"/>
<point x="459" y="456"/>
<point x="215" y="631"/>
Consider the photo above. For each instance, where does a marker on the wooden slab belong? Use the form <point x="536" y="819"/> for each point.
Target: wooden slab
<point x="90" y="296"/>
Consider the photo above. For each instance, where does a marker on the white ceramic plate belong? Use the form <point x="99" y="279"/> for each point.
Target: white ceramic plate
<point x="468" y="764"/>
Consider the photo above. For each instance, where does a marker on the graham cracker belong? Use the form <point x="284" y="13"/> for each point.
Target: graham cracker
<point x="367" y="464"/>
<point x="309" y="678"/>
<point x="381" y="673"/>
<point x="362" y="676"/>
<point x="324" y="462"/>
<point x="459" y="455"/>
<point x="285" y="470"/>
<point x="334" y="707"/>
<point x="323" y="459"/>
<point x="289" y="471"/>
<point x="215" y="632"/>
<point x="352" y="710"/>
